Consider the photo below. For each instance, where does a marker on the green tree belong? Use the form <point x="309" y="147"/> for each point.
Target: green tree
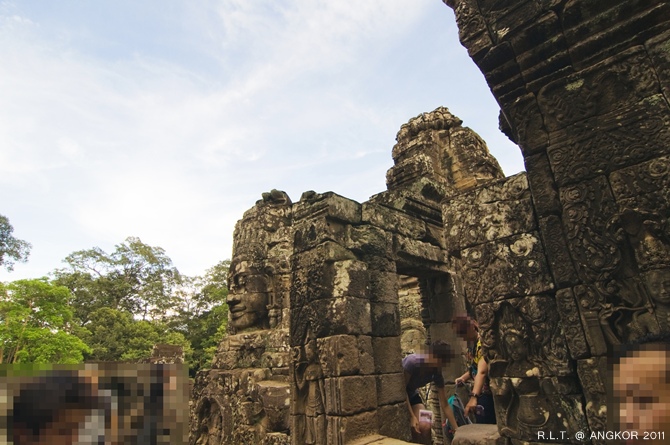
<point x="114" y="335"/>
<point x="35" y="324"/>
<point x="202" y="313"/>
<point x="12" y="250"/>
<point x="136" y="278"/>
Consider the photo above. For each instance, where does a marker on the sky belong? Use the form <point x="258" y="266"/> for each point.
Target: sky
<point x="167" y="119"/>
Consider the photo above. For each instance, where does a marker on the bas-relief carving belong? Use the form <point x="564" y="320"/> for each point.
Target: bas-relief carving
<point x="657" y="283"/>
<point x="249" y="379"/>
<point x="260" y="268"/>
<point x="248" y="297"/>
<point x="594" y="234"/>
<point x="209" y="423"/>
<point x="309" y="409"/>
<point x="533" y="381"/>
<point x="601" y="122"/>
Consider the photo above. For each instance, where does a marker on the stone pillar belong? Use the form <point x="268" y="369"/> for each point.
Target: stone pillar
<point x="506" y="278"/>
<point x="584" y="89"/>
<point x="344" y="326"/>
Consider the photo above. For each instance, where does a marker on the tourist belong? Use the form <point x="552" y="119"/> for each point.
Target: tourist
<point x="467" y="329"/>
<point x="421" y="369"/>
<point x="61" y="408"/>
<point x="641" y="381"/>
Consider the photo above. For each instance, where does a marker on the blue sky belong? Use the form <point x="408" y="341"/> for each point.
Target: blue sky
<point x="166" y="120"/>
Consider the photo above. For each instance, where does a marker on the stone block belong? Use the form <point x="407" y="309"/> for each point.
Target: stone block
<point x="542" y="185"/>
<point x="343" y="355"/>
<point x="472" y="30"/>
<point x="513" y="266"/>
<point x="593" y="231"/>
<point x="488" y="213"/>
<point x="540" y="48"/>
<point x="391" y="389"/>
<point x="593" y="375"/>
<point x="523" y="337"/>
<point x="657" y="48"/>
<point x="478" y="434"/>
<point x="387" y="354"/>
<point x="368" y="240"/>
<point x="394" y="421"/>
<point x="342" y="315"/>
<point x="350" y="278"/>
<point x="313" y="232"/>
<point x="383" y="286"/>
<point x="327" y="205"/>
<point x="276" y="400"/>
<point x="345" y="429"/>
<point x="583" y="95"/>
<point x="527" y="126"/>
<point x="597" y="30"/>
<point x="393" y="220"/>
<point x="385" y="319"/>
<point x="574" y="334"/>
<point x="556" y="247"/>
<point x="422" y="252"/>
<point x="350" y="395"/>
<point x="276" y="439"/>
<point x="319" y="280"/>
<point x="604" y="143"/>
<point x="641" y="179"/>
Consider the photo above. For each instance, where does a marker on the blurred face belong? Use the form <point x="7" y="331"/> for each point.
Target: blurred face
<point x="466" y="329"/>
<point x="642" y="390"/>
<point x="247" y="298"/>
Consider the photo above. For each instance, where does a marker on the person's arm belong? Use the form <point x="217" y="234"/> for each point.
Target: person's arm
<point x="480" y="378"/>
<point x="446" y="408"/>
<point x="412" y="418"/>
<point x="464" y="378"/>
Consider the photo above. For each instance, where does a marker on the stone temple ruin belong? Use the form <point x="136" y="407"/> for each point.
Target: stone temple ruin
<point x="560" y="264"/>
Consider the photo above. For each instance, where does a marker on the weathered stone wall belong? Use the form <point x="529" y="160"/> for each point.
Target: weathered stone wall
<point x="321" y="290"/>
<point x="561" y="264"/>
<point x="584" y="88"/>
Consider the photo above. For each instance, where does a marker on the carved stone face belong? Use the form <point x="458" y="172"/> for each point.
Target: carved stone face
<point x="658" y="284"/>
<point x="642" y="390"/>
<point x="515" y="346"/>
<point x="247" y="298"/>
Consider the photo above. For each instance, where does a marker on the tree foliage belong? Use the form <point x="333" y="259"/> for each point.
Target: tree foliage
<point x="126" y="301"/>
<point x="35" y="324"/>
<point x="136" y="278"/>
<point x="114" y="307"/>
<point x="202" y="314"/>
<point x="12" y="250"/>
<point x="114" y="335"/>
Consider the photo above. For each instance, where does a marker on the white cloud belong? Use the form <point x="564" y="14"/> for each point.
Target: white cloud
<point x="135" y="141"/>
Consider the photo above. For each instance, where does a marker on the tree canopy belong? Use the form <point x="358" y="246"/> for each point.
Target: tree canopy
<point x="35" y="324"/>
<point x="110" y="307"/>
<point x="12" y="250"/>
<point x="126" y="301"/>
<point x="136" y="278"/>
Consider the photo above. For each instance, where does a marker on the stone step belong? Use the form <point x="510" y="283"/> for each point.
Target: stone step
<point x="478" y="434"/>
<point x="376" y="439"/>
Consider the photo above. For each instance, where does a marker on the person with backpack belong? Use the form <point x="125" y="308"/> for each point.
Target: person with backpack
<point x="467" y="329"/>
